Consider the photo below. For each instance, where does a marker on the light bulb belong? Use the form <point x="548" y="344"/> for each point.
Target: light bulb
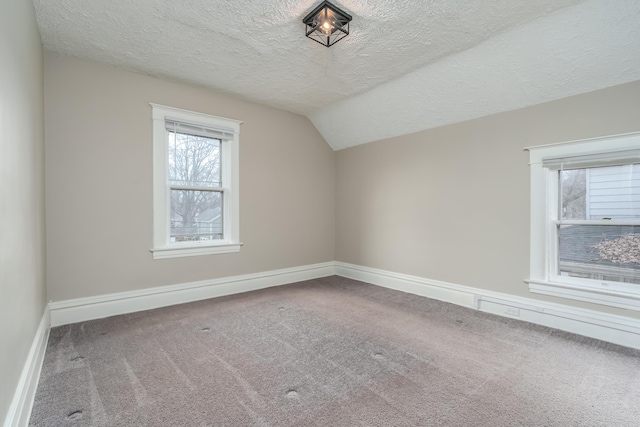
<point x="326" y="27"/>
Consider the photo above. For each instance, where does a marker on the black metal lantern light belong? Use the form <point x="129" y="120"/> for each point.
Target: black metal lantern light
<point x="327" y="24"/>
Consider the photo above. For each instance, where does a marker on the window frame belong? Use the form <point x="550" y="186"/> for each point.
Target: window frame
<point x="543" y="276"/>
<point x="162" y="246"/>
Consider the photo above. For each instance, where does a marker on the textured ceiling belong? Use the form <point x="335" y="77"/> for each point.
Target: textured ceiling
<point x="590" y="46"/>
<point x="407" y="65"/>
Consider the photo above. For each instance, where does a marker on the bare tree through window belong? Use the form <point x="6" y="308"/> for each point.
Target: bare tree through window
<point x="574" y="193"/>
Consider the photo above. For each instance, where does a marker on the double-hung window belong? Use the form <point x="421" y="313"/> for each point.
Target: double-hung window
<point x="195" y="183"/>
<point x="585" y="220"/>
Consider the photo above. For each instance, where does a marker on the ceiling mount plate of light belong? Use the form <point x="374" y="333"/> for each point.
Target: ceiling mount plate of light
<point x="327" y="24"/>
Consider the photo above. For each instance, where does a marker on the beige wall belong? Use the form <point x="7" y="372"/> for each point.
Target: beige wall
<point x="449" y="204"/>
<point x="452" y="203"/>
<point x="99" y="183"/>
<point x="22" y="259"/>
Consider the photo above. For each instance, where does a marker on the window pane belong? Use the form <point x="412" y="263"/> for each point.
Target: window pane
<point x="196" y="215"/>
<point x="600" y="252"/>
<point x="194" y="160"/>
<point x="597" y="193"/>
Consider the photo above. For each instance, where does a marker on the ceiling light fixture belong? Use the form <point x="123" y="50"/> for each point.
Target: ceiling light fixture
<point x="327" y="24"/>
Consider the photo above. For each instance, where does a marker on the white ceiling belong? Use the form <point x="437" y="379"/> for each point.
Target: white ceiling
<point x="407" y="65"/>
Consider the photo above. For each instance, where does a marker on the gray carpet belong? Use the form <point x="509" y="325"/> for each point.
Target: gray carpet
<point x="331" y="352"/>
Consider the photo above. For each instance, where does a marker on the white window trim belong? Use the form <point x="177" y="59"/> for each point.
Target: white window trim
<point x="162" y="248"/>
<point x="543" y="249"/>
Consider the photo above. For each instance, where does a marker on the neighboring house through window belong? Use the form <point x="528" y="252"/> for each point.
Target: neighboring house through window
<point x="585" y="220"/>
<point x="195" y="183"/>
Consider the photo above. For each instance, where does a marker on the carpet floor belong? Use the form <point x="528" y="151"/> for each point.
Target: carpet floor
<point x="331" y="352"/>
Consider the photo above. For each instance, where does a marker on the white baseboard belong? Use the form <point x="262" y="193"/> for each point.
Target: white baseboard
<point x="606" y="327"/>
<point x="82" y="309"/>
<point x="20" y="409"/>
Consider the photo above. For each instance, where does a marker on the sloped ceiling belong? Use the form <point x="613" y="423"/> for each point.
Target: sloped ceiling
<point x="407" y="65"/>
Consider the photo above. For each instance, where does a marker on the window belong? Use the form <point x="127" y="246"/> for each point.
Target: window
<point x="585" y="220"/>
<point x="195" y="184"/>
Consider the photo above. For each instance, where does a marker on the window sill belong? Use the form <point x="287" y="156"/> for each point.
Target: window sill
<point x="185" y="251"/>
<point x="614" y="298"/>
